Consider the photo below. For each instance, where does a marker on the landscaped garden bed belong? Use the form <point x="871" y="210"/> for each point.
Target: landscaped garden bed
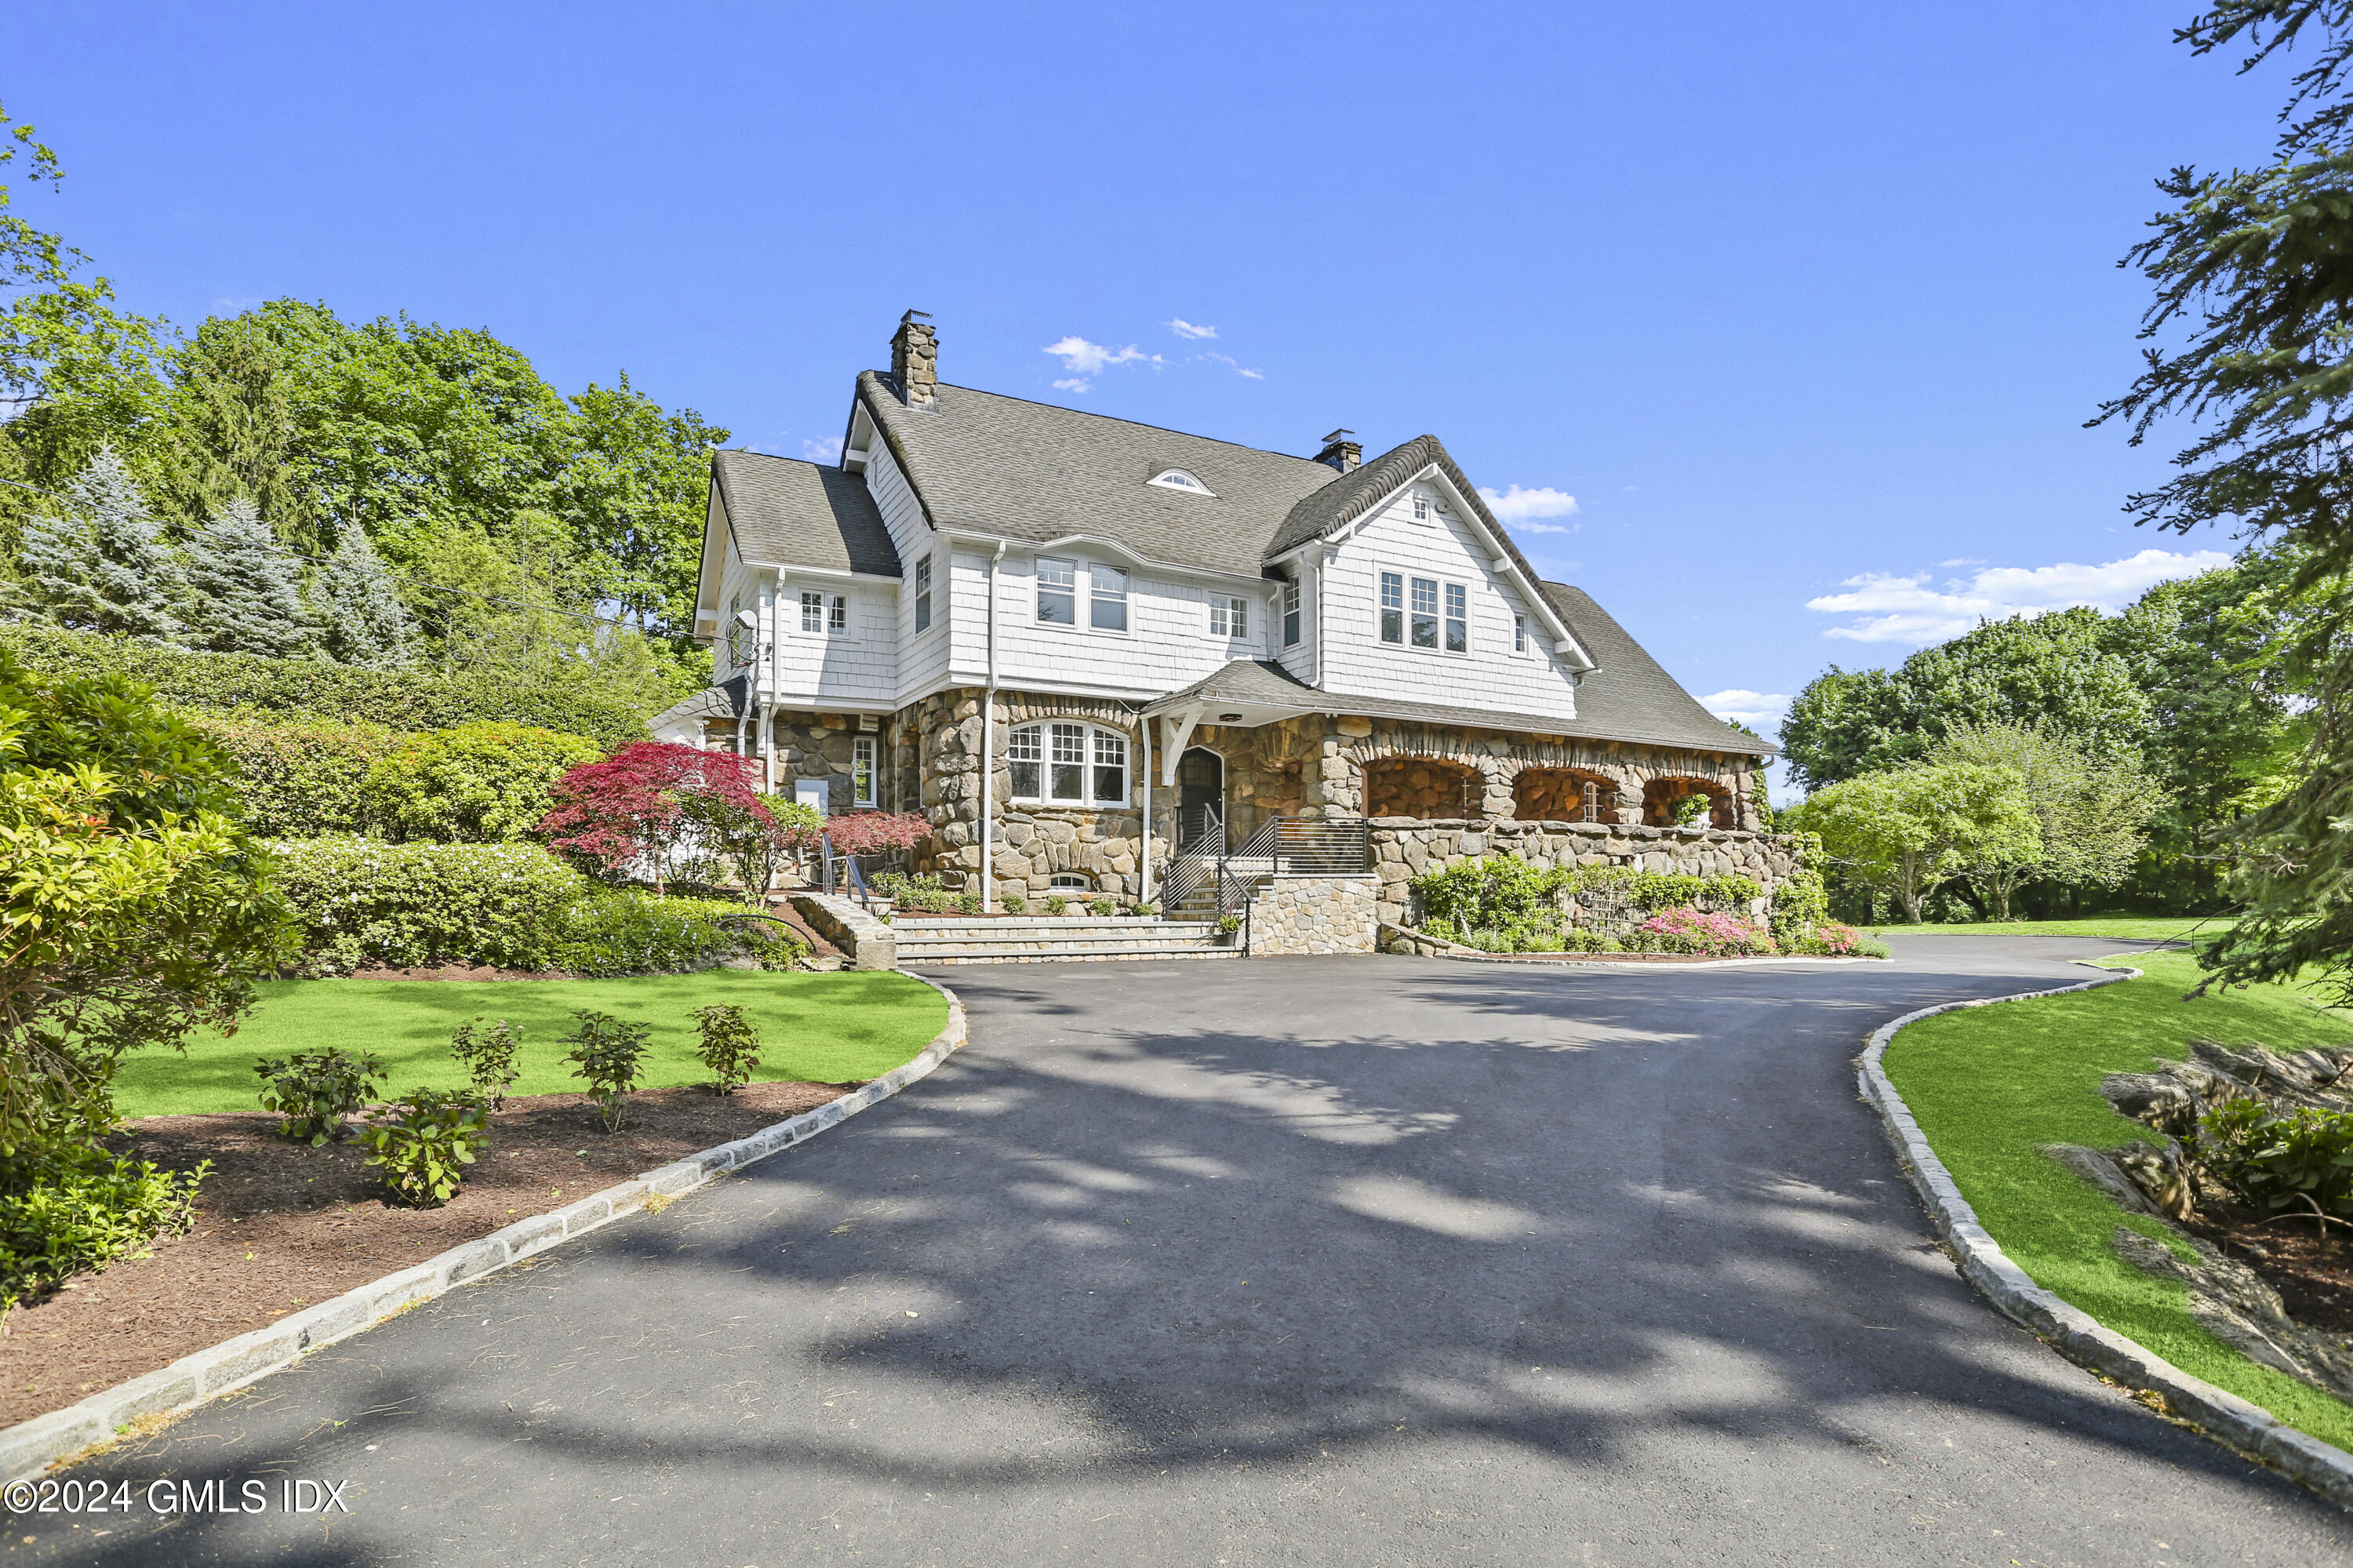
<point x="281" y="1224"/>
<point x="1995" y="1089"/>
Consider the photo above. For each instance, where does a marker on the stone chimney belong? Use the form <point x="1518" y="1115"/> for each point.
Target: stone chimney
<point x="915" y="361"/>
<point x="1341" y="452"/>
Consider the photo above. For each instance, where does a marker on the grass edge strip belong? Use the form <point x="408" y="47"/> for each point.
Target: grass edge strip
<point x="2073" y="1332"/>
<point x="92" y="1426"/>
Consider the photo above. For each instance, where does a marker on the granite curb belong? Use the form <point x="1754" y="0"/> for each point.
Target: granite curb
<point x="2074" y="1333"/>
<point x="30" y="1447"/>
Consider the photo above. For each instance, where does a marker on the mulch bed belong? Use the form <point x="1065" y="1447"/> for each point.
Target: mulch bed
<point x="282" y="1226"/>
<point x="2313" y="1274"/>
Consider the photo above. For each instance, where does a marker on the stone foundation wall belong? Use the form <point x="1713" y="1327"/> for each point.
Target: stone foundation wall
<point x="818" y="745"/>
<point x="1315" y="915"/>
<point x="1403" y="849"/>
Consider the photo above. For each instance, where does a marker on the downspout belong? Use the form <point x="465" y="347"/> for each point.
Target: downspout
<point x="1143" y="855"/>
<point x="769" y="705"/>
<point x="989" y="747"/>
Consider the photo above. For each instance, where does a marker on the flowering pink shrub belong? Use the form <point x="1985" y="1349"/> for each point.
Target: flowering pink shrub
<point x="1686" y="930"/>
<point x="653" y="807"/>
<point x="1837" y="940"/>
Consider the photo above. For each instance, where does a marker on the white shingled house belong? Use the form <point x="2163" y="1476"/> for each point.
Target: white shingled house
<point x="1169" y="645"/>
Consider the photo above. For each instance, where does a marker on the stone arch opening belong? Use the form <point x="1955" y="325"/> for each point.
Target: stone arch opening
<point x="1663" y="801"/>
<point x="1563" y="795"/>
<point x="1428" y="787"/>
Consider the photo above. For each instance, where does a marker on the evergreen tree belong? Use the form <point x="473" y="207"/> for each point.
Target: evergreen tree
<point x="361" y="619"/>
<point x="245" y="592"/>
<point x="103" y="566"/>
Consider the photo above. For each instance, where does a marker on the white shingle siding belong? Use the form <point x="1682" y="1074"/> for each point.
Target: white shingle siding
<point x="857" y="666"/>
<point x="922" y="658"/>
<point x="1443" y="548"/>
<point x="1167" y="644"/>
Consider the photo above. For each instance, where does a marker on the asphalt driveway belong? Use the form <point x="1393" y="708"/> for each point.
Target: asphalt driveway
<point x="1377" y="1261"/>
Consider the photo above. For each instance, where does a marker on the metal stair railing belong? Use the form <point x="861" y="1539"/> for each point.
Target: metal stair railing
<point x="1195" y="864"/>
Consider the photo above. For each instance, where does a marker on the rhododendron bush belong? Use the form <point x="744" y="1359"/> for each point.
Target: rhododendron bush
<point x="1689" y="931"/>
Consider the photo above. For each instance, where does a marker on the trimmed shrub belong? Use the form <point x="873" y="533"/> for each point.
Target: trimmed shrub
<point x="1694" y="931"/>
<point x="424" y="1139"/>
<point x="486" y="783"/>
<point x="362" y="901"/>
<point x="406" y="700"/>
<point x="300" y="777"/>
<point x="624" y="932"/>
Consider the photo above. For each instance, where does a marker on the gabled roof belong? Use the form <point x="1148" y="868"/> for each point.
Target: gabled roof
<point x="1630" y="697"/>
<point x="1035" y="473"/>
<point x="787" y="513"/>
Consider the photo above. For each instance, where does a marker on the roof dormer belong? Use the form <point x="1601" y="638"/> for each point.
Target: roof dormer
<point x="1180" y="478"/>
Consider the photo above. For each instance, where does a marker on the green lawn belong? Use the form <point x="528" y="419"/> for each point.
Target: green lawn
<point x="2131" y="927"/>
<point x="820" y="1028"/>
<point x="1989" y="1085"/>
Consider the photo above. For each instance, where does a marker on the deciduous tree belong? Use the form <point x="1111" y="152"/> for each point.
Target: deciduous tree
<point x="1910" y="829"/>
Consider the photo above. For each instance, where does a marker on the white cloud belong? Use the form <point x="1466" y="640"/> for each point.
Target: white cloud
<point x="1253" y="375"/>
<point x="1519" y="509"/>
<point x="826" y="450"/>
<point x="1760" y="711"/>
<point x="1075" y="384"/>
<point x="1184" y="328"/>
<point x="1080" y="357"/>
<point x="1892" y="607"/>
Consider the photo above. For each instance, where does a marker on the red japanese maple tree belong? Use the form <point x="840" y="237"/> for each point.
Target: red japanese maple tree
<point x="871" y="833"/>
<point x="654" y="808"/>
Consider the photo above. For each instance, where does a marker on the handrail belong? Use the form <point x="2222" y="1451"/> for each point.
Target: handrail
<point x="1283" y="846"/>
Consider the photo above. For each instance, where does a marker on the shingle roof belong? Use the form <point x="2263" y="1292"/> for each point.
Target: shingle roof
<point x="726" y="700"/>
<point x="1035" y="473"/>
<point x="787" y="513"/>
<point x="1630" y="697"/>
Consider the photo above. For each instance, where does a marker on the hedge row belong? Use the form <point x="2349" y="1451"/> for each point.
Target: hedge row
<point x="362" y="901"/>
<point x="401" y="700"/>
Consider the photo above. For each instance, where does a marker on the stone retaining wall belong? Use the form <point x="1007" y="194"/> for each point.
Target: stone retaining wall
<point x="1403" y="848"/>
<point x="1314" y="914"/>
<point x="867" y="942"/>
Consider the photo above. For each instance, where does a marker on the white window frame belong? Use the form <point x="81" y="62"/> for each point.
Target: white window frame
<point x="1422" y="508"/>
<point x="1058" y="578"/>
<point x="1228" y="616"/>
<point x="1181" y="481"/>
<point x="1410" y="605"/>
<point x="828" y="613"/>
<point x="1049" y="750"/>
<point x="923" y="593"/>
<point x="1107" y="594"/>
<point x="1519" y="633"/>
<point x="862" y="770"/>
<point x="1291" y="619"/>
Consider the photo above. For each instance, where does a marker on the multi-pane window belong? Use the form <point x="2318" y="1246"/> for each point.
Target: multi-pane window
<point x="1392" y="606"/>
<point x="1108" y="592"/>
<point x="1425" y="613"/>
<point x="1422" y="508"/>
<point x="827" y="613"/>
<point x="1068" y="764"/>
<point x="1458" y="618"/>
<point x="1291" y="615"/>
<point x="923" y="593"/>
<point x="861" y="770"/>
<point x="1228" y="616"/>
<point x="742" y="642"/>
<point x="1519" y="634"/>
<point x="1024" y="753"/>
<point x="1058" y="582"/>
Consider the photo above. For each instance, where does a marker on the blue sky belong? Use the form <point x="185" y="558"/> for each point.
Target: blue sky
<point x="1802" y="304"/>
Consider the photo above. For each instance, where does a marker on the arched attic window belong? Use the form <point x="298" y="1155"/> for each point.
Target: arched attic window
<point x="1178" y="479"/>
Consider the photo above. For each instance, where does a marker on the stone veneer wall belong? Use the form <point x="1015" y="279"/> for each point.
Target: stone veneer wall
<point x="1315" y="915"/>
<point x="1403" y="849"/>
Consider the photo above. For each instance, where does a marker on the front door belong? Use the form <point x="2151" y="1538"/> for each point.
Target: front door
<point x="1200" y="794"/>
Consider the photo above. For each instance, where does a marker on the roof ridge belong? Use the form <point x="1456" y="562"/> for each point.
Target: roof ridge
<point x="884" y="377"/>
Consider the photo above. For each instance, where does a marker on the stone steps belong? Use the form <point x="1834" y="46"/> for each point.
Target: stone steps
<point x="950" y="940"/>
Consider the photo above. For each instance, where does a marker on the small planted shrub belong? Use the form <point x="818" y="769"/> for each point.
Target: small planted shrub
<point x="1099" y="907"/>
<point x="1057" y="905"/>
<point x="87" y="1209"/>
<point x="1690" y="931"/>
<point x="1831" y="939"/>
<point x="2295" y="1164"/>
<point x="424" y="1139"/>
<point x="970" y="904"/>
<point x="611" y="1054"/>
<point x="312" y="1091"/>
<point x="488" y="1054"/>
<point x="1144" y="911"/>
<point x="730" y="1048"/>
<point x="1228" y="924"/>
<point x="1015" y="906"/>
